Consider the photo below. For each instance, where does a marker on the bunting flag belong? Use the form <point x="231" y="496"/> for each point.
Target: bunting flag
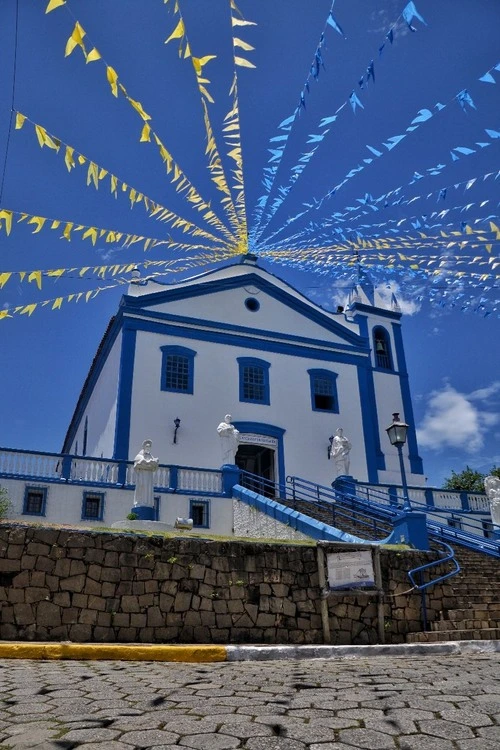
<point x="279" y="143"/>
<point x="178" y="178"/>
<point x="70" y="228"/>
<point x="488" y="76"/>
<point x="215" y="165"/>
<point x="57" y="302"/>
<point x="96" y="174"/>
<point x="231" y="128"/>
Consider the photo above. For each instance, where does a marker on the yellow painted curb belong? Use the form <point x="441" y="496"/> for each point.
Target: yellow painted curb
<point x="113" y="651"/>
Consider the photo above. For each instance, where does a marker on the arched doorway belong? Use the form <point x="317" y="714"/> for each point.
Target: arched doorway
<point x="258" y="460"/>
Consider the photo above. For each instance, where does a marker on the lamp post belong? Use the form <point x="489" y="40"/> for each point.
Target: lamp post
<point x="397" y="435"/>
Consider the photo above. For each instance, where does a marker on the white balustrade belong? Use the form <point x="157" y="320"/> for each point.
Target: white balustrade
<point x="443" y="499"/>
<point x="198" y="480"/>
<point x="93" y="470"/>
<point x="36" y="465"/>
<point x="479" y="502"/>
<point x="162" y="477"/>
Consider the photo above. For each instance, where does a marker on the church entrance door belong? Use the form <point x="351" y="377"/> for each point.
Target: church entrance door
<point x="257" y="460"/>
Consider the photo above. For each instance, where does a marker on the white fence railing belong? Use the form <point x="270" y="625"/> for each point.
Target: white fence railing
<point x="198" y="480"/>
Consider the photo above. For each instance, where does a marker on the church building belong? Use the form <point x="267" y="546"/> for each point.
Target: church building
<point x="177" y="358"/>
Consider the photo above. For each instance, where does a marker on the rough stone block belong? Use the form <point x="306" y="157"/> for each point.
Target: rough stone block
<point x="88" y="616"/>
<point x="123" y="589"/>
<point x="80" y="633"/>
<point x="110" y="574"/>
<point x="35" y="594"/>
<point x="9" y="566"/>
<point x="130" y="604"/>
<point x="166" y="602"/>
<point x="156" y="619"/>
<point x="28" y="562"/>
<point x="120" y="619"/>
<point x="265" y="620"/>
<point x="169" y="587"/>
<point x="70" y="615"/>
<point x="80" y="600"/>
<point x="104" y="619"/>
<point x="75" y="583"/>
<point x="182" y="601"/>
<point x="138" y="620"/>
<point x="97" y="603"/>
<point x="62" y="568"/>
<point x="14" y="595"/>
<point x="15" y="551"/>
<point x="23" y="614"/>
<point x="35" y="548"/>
<point x="103" y="634"/>
<point x="92" y="587"/>
<point x="127" y="635"/>
<point x="146" y="600"/>
<point x="151" y="587"/>
<point x="62" y="599"/>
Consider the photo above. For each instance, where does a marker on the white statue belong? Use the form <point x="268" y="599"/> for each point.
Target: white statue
<point x="229" y="439"/>
<point x="145" y="466"/>
<point x="340" y="452"/>
<point x="492" y="489"/>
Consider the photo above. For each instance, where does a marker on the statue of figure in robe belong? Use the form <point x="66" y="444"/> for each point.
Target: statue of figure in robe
<point x="145" y="466"/>
<point x="229" y="439"/>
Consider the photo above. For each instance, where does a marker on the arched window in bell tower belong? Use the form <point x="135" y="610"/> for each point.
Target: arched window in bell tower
<point x="382" y="349"/>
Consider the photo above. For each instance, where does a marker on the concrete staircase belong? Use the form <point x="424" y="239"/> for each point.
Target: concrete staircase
<point x="471" y="598"/>
<point x="472" y="602"/>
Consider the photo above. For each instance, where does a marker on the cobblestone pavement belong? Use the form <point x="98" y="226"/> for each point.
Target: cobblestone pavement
<point x="379" y="703"/>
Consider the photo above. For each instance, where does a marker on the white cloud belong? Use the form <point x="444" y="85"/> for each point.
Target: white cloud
<point x="384" y="293"/>
<point x="453" y="419"/>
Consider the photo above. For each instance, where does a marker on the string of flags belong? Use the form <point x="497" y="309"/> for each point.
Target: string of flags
<point x="278" y="143"/>
<point x="215" y="165"/>
<point x="424" y="115"/>
<point x="97" y="174"/>
<point x="182" y="184"/>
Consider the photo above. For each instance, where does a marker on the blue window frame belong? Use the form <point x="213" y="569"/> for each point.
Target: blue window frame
<point x="157" y="499"/>
<point x="382" y="349"/>
<point x="93" y="506"/>
<point x="199" y="511"/>
<point x="35" y="501"/>
<point x="177" y="369"/>
<point x="324" y="395"/>
<point x="254" y="380"/>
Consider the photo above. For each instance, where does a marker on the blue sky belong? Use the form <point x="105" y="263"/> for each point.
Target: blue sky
<point x="452" y="351"/>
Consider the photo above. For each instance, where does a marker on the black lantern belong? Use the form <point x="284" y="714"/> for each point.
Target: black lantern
<point x="177" y="422"/>
<point x="397" y="432"/>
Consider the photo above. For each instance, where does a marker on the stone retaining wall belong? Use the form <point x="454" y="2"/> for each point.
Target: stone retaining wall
<point x="59" y="584"/>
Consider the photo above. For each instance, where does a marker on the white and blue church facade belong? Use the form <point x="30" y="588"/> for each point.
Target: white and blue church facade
<point x="240" y="341"/>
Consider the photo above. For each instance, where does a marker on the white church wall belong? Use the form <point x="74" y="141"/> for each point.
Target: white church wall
<point x="229" y="306"/>
<point x="216" y="393"/>
<point x="63" y="505"/>
<point x="101" y="409"/>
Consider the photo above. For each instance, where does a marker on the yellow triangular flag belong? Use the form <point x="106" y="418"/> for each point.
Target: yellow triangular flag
<point x="20" y="120"/>
<point x="112" y="77"/>
<point x="53" y="4"/>
<point x="243" y="63"/>
<point x="7" y="217"/>
<point x="4" y="277"/>
<point x="177" y="33"/>
<point x="75" y="40"/>
<point x="37" y="277"/>
<point x="145" y="135"/>
<point x="93" y="55"/>
<point x="57" y="303"/>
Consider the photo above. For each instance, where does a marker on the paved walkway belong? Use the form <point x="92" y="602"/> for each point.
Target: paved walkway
<point x="377" y="703"/>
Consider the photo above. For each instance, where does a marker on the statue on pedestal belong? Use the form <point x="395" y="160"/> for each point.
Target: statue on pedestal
<point x="229" y="439"/>
<point x="145" y="466"/>
<point x="340" y="449"/>
<point x="492" y="489"/>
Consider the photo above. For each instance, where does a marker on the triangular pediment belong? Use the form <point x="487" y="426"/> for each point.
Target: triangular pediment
<point x="220" y="298"/>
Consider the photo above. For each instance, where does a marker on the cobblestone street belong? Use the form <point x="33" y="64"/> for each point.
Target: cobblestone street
<point x="379" y="703"/>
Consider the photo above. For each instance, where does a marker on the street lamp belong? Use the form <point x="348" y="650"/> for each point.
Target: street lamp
<point x="397" y="435"/>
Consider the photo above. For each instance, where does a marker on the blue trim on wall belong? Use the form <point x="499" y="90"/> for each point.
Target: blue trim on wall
<point x="243" y="363"/>
<point x="101" y="496"/>
<point x="124" y="404"/>
<point x="332" y="378"/>
<point x="416" y="465"/>
<point x="370" y="427"/>
<point x="380" y="312"/>
<point x="369" y="400"/>
<point x="251" y="279"/>
<point x="33" y="488"/>
<point x="179" y="351"/>
<point x="219" y="337"/>
<point x="361" y="347"/>
<point x="206" y="513"/>
<point x="261" y="428"/>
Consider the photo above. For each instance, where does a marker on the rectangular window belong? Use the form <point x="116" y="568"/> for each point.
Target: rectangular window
<point x="323" y="394"/>
<point x="253" y="384"/>
<point x="93" y="506"/>
<point x="34" y="501"/>
<point x="324" y="391"/>
<point x="177" y="372"/>
<point x="199" y="511"/>
<point x="254" y="380"/>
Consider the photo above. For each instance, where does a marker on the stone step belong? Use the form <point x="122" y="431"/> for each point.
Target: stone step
<point x="484" y="634"/>
<point x="440" y="626"/>
<point x="475" y="612"/>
